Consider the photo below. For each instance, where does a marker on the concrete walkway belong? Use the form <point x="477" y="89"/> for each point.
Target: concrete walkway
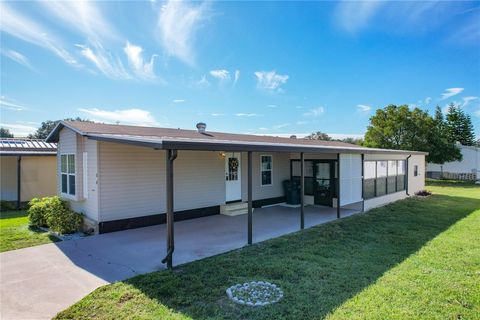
<point x="38" y="282"/>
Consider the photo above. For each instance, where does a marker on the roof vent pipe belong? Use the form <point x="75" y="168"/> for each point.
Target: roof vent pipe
<point x="201" y="127"/>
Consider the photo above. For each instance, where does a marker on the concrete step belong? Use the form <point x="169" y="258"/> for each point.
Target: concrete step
<point x="234" y="209"/>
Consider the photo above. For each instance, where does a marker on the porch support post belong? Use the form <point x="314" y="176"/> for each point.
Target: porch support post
<point x="250" y="210"/>
<point x="19" y="181"/>
<point x="363" y="185"/>
<point x="302" y="190"/>
<point x="171" y="155"/>
<point x="338" y="186"/>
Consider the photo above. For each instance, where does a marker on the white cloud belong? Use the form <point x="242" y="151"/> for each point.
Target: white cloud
<point x="18" y="58"/>
<point x="221" y="74"/>
<point x="300" y="123"/>
<point x="316" y="112"/>
<point x="143" y="70"/>
<point x="427" y="100"/>
<point x="272" y="106"/>
<point x="203" y="82"/>
<point x="451" y="92"/>
<point x="178" y="24"/>
<point x="355" y="15"/>
<point x="467" y="100"/>
<point x="104" y="61"/>
<point x="179" y="100"/>
<point x="246" y="114"/>
<point x="126" y="116"/>
<point x="263" y="129"/>
<point x="477" y="113"/>
<point x="84" y="17"/>
<point x="281" y="126"/>
<point x="363" y="108"/>
<point x="27" y="30"/>
<point x="214" y="114"/>
<point x="270" y="80"/>
<point x="19" y="130"/>
<point x="236" y="77"/>
<point x="8" y="104"/>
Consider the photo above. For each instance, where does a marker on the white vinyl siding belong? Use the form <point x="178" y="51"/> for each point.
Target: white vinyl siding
<point x="8" y="178"/>
<point x="132" y="181"/>
<point x="281" y="172"/>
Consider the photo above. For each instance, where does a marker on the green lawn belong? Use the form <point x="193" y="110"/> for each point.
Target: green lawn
<point x="417" y="258"/>
<point x="15" y="232"/>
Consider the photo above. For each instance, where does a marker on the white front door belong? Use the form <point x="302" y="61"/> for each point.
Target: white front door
<point x="233" y="178"/>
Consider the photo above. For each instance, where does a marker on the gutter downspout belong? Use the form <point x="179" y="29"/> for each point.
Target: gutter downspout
<point x="171" y="156"/>
<point x="19" y="181"/>
<point x="406" y="175"/>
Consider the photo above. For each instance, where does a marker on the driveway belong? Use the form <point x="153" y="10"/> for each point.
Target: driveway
<point x="38" y="282"/>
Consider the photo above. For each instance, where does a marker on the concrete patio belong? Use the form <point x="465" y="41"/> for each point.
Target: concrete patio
<point x="40" y="281"/>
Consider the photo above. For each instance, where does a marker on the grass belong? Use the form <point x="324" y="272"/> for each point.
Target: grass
<point x="416" y="258"/>
<point x="15" y="233"/>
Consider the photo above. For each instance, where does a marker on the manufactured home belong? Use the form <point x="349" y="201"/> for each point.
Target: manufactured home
<point x="28" y="169"/>
<point x="124" y="177"/>
<point x="467" y="169"/>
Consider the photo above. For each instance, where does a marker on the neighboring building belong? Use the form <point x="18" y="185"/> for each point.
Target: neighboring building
<point x="467" y="169"/>
<point x="127" y="176"/>
<point x="28" y="169"/>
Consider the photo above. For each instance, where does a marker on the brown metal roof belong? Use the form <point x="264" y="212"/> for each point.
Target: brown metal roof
<point x="167" y="138"/>
<point x="114" y="129"/>
<point x="25" y="146"/>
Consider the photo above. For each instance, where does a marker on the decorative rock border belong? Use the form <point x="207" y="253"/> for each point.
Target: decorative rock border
<point x="255" y="293"/>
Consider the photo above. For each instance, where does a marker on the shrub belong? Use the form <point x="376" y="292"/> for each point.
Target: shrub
<point x="423" y="193"/>
<point x="64" y="221"/>
<point x="37" y="212"/>
<point x="54" y="213"/>
<point x="7" y="206"/>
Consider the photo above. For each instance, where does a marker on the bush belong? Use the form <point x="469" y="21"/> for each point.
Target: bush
<point x="37" y="212"/>
<point x="423" y="193"/>
<point x="54" y="213"/>
<point x="7" y="206"/>
<point x="64" y="221"/>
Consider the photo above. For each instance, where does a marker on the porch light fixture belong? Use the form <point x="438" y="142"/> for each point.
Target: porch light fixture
<point x="222" y="155"/>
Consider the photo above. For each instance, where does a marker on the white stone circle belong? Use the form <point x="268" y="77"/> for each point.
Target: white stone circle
<point x="255" y="293"/>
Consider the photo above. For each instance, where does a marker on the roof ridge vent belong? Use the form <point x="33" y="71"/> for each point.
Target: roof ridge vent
<point x="201" y="127"/>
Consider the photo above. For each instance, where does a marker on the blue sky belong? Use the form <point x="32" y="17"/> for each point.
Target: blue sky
<point x="247" y="67"/>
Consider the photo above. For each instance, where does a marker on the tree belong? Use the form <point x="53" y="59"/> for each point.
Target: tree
<point x="47" y="126"/>
<point x="398" y="127"/>
<point x="5" y="133"/>
<point x="442" y="148"/>
<point x="459" y="126"/>
<point x="319" y="136"/>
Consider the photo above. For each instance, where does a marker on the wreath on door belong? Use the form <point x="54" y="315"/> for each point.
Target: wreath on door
<point x="233" y="164"/>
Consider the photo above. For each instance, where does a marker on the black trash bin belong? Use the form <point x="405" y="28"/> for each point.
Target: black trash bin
<point x="292" y="191"/>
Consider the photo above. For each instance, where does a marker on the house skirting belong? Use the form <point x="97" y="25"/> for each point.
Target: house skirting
<point x="150" y="220"/>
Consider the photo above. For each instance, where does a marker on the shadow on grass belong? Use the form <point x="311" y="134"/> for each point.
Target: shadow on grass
<point x="318" y="269"/>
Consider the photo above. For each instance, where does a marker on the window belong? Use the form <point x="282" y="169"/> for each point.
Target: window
<point x="369" y="176"/>
<point x="415" y="170"/>
<point x="392" y="176"/>
<point x="401" y="175"/>
<point x="309" y="179"/>
<point x="266" y="170"/>
<point x="383" y="177"/>
<point x="67" y="168"/>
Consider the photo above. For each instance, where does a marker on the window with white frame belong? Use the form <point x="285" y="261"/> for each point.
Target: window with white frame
<point x="383" y="176"/>
<point x="67" y="167"/>
<point x="266" y="170"/>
